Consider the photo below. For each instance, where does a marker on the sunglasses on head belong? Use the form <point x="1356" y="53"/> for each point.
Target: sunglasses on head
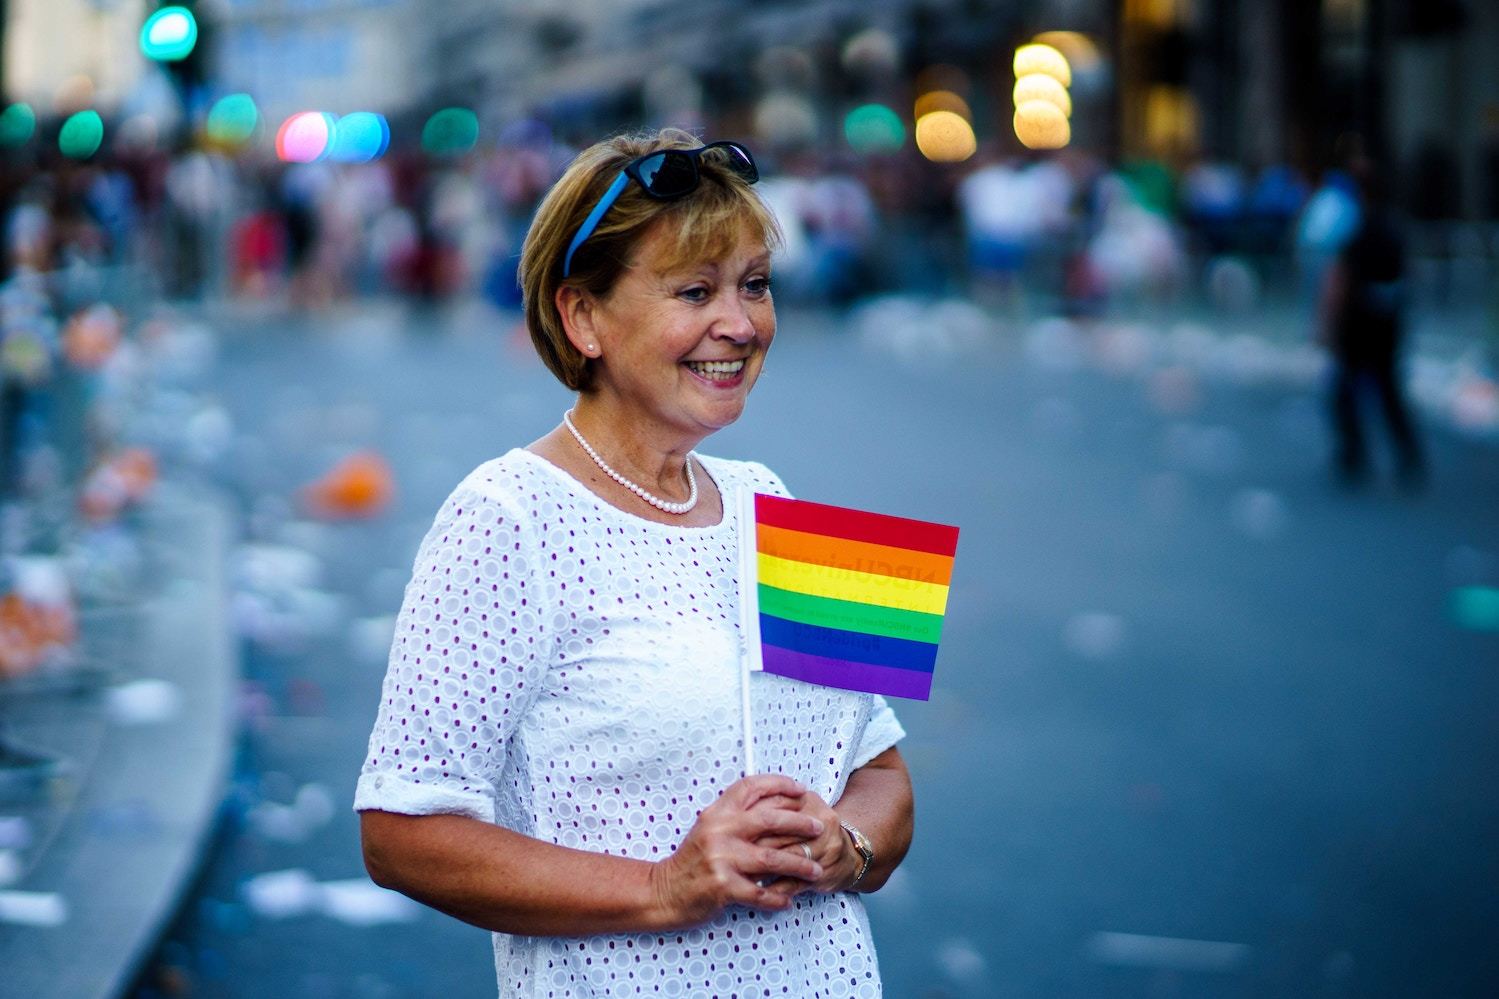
<point x="665" y="175"/>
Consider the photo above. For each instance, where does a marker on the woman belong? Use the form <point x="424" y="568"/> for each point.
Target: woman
<point x="557" y="755"/>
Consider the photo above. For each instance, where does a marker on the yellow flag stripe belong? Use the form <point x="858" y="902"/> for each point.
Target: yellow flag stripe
<point x="848" y="584"/>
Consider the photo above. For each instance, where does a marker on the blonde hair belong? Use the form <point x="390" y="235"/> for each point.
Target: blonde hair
<point x="707" y="222"/>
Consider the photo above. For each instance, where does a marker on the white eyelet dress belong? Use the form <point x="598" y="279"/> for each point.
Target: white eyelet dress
<point x="571" y="671"/>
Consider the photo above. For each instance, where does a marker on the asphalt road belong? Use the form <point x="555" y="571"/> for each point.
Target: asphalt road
<point x="1203" y="724"/>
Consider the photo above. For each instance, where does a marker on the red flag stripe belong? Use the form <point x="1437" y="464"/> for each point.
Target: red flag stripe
<point x="856" y="525"/>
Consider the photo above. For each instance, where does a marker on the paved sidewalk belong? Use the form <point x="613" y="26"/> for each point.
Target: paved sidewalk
<point x="146" y="764"/>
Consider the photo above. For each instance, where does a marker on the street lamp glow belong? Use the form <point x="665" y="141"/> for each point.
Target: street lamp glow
<point x="942" y="100"/>
<point x="1042" y="59"/>
<point x="1041" y="125"/>
<point x="169" y="35"/>
<point x="1040" y="87"/>
<point x="945" y="137"/>
<point x="81" y="135"/>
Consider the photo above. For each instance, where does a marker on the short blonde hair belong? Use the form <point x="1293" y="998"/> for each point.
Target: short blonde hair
<point x="708" y="223"/>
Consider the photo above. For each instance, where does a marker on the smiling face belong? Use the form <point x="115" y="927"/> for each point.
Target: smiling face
<point x="678" y="350"/>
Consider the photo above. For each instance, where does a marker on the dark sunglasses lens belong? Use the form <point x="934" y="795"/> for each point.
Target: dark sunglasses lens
<point x="668" y="174"/>
<point x="736" y="158"/>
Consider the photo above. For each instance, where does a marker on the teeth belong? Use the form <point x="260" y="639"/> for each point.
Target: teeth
<point x="711" y="369"/>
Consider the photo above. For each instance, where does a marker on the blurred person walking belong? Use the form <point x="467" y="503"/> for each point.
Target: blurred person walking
<point x="1364" y="307"/>
<point x="556" y="756"/>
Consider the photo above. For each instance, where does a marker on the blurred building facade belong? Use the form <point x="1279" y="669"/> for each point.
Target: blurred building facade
<point x="1282" y="81"/>
<point x="324" y="55"/>
<point x="73" y="52"/>
<point x="1252" y="82"/>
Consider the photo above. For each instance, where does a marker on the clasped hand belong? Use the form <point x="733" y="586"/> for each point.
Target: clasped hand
<point x="747" y="849"/>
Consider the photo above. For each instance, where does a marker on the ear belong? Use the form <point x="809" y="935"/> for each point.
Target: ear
<point x="577" y="308"/>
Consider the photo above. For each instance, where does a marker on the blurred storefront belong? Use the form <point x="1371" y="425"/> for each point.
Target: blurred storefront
<point x="1282" y="81"/>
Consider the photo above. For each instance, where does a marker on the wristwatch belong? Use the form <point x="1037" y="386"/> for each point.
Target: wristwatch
<point x="865" y="848"/>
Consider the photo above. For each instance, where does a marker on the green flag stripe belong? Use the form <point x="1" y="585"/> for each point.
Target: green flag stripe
<point x="846" y="615"/>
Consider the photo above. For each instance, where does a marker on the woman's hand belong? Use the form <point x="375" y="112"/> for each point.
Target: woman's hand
<point x="831" y="849"/>
<point x="723" y="859"/>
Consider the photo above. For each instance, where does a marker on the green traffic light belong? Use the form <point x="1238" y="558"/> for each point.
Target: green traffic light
<point x="169" y="34"/>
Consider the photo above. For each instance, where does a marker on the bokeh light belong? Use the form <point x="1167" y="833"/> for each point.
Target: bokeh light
<point x="451" y="132"/>
<point x="232" y="120"/>
<point x="872" y="52"/>
<point x="874" y="128"/>
<point x="304" y="137"/>
<point x="1042" y="125"/>
<point x="945" y="137"/>
<point x="1040" y="87"/>
<point x="359" y="138"/>
<point x="17" y="125"/>
<point x="786" y="118"/>
<point x="74" y="94"/>
<point x="169" y="35"/>
<point x="1079" y="50"/>
<point x="81" y="135"/>
<point x="942" y="100"/>
<point x="140" y="134"/>
<point x="1044" y="59"/>
<point x="941" y="76"/>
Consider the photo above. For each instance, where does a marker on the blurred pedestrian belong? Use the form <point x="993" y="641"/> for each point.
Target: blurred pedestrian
<point x="1364" y="308"/>
<point x="556" y="756"/>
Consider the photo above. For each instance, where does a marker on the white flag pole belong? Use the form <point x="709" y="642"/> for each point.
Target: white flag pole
<point x="749" y="619"/>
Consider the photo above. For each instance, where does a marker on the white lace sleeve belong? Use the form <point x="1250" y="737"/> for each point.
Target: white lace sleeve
<point x="882" y="731"/>
<point x="469" y="656"/>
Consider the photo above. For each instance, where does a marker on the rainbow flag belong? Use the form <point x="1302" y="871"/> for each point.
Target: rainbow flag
<point x="842" y="597"/>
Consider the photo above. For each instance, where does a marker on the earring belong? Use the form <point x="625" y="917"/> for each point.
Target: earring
<point x="591" y="348"/>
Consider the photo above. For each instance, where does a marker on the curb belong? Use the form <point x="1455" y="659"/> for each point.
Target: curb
<point x="148" y="801"/>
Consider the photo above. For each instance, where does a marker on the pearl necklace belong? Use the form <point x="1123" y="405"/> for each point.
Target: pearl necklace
<point x="660" y="504"/>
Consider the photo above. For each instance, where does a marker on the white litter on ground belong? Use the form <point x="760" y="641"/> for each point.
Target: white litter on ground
<point x="1259" y="513"/>
<point x="1094" y="635"/>
<point x="33" y="908"/>
<point x="294" y="823"/>
<point x="960" y="961"/>
<point x="281" y="894"/>
<point x="15" y="832"/>
<point x="1140" y="951"/>
<point x="355" y="901"/>
<point x="144" y="702"/>
<point x="361" y="902"/>
<point x="10" y="867"/>
<point x="370" y="638"/>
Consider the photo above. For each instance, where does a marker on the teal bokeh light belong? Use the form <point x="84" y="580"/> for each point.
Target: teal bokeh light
<point x="359" y="138"/>
<point x="81" y="135"/>
<point x="874" y="128"/>
<point x="232" y="119"/>
<point x="169" y="34"/>
<point x="451" y="132"/>
<point x="17" y="125"/>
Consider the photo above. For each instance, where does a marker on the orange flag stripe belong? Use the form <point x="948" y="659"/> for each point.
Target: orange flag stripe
<point x="862" y="556"/>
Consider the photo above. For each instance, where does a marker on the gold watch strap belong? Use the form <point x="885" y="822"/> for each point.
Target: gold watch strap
<point x="864" y="848"/>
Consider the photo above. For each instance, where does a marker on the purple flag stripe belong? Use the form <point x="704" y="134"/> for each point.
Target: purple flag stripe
<point x="847" y="675"/>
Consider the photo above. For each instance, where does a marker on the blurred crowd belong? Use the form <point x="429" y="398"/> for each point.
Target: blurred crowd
<point x="1068" y="229"/>
<point x="93" y="247"/>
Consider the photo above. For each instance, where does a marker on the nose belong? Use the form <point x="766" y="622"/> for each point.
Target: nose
<point x="734" y="322"/>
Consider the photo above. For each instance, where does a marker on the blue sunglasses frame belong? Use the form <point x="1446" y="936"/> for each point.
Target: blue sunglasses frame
<point x="654" y="173"/>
